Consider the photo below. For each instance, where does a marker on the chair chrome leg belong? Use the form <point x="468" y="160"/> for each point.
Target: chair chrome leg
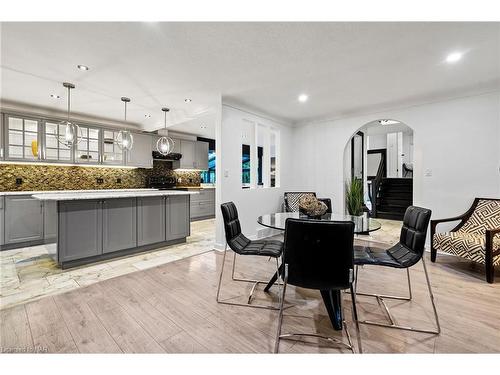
<point x="401" y="298"/>
<point x="393" y="324"/>
<point x="280" y="318"/>
<point x="355" y="318"/>
<point x="221" y="272"/>
<point x="248" y="304"/>
<point x="431" y="296"/>
<point x="234" y="278"/>
<point x="285" y="336"/>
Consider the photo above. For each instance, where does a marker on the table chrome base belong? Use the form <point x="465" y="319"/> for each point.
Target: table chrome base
<point x="380" y="299"/>
<point x="254" y="286"/>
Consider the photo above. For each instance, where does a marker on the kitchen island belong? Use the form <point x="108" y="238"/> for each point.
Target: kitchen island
<point x="94" y="226"/>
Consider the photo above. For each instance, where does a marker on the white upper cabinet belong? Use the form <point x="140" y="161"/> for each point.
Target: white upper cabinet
<point x="201" y="161"/>
<point x="141" y="153"/>
<point x="22" y="139"/>
<point x="188" y="151"/>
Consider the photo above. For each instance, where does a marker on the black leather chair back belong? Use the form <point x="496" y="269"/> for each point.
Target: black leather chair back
<point x="411" y="244"/>
<point x="235" y="239"/>
<point x="319" y="253"/>
<point x="414" y="230"/>
<point x="328" y="203"/>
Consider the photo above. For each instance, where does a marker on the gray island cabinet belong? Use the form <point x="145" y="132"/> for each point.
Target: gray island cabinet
<point x="96" y="226"/>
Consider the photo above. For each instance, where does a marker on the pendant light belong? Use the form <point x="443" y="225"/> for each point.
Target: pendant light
<point x="71" y="134"/>
<point x="124" y="139"/>
<point x="165" y="144"/>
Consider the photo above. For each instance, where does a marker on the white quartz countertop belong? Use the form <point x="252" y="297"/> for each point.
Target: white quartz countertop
<point x="110" y="194"/>
<point x="31" y="192"/>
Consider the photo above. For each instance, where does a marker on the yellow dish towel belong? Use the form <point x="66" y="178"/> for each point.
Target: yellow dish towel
<point x="34" y="148"/>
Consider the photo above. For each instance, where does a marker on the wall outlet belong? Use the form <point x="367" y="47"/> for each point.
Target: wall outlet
<point x="118" y="180"/>
<point x="19" y="181"/>
<point x="99" y="180"/>
<point x="428" y="173"/>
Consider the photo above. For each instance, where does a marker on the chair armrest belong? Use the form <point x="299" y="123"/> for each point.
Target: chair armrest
<point x="435" y="222"/>
<point x="490" y="233"/>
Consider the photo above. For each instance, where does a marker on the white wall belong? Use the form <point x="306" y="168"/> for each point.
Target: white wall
<point x="377" y="141"/>
<point x="251" y="203"/>
<point x="458" y="141"/>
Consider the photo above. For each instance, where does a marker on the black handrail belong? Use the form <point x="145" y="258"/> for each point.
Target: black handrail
<point x="376" y="183"/>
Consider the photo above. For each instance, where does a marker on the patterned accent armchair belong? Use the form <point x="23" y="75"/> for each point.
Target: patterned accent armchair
<point x="476" y="237"/>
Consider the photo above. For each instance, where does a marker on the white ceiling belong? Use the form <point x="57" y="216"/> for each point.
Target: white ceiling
<point x="345" y="68"/>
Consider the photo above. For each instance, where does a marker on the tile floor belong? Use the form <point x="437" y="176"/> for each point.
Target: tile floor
<point x="29" y="273"/>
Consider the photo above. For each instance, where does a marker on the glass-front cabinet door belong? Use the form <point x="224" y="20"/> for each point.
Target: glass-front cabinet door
<point x="112" y="154"/>
<point x="55" y="150"/>
<point x="87" y="150"/>
<point x="22" y="139"/>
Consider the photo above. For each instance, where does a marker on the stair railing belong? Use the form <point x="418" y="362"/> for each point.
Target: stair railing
<point x="376" y="184"/>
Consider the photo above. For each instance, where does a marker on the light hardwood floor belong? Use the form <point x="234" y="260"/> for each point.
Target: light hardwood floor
<point x="171" y="308"/>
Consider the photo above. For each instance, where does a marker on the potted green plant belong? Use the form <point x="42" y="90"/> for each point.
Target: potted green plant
<point x="354" y="197"/>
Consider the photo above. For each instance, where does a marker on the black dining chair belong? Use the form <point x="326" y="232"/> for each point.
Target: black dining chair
<point x="318" y="255"/>
<point x="241" y="245"/>
<point x="404" y="255"/>
<point x="328" y="203"/>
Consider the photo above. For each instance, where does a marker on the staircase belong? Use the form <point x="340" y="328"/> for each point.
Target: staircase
<point x="393" y="197"/>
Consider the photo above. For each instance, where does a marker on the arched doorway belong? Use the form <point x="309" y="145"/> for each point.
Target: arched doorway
<point x="381" y="155"/>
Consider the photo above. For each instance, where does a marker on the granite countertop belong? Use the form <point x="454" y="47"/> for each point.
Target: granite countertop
<point x="30" y="192"/>
<point x="87" y="194"/>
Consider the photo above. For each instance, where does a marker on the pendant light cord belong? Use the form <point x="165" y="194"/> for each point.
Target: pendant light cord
<point x="69" y="100"/>
<point x="125" y="111"/>
<point x="165" y="119"/>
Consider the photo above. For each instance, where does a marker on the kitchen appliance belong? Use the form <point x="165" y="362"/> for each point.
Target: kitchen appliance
<point x="162" y="182"/>
<point x="173" y="156"/>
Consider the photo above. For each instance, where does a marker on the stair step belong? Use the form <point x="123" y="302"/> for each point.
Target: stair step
<point x="387" y="202"/>
<point x="390" y="215"/>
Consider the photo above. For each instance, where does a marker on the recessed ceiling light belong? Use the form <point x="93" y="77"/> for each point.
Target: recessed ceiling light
<point x="453" y="57"/>
<point x="82" y="67"/>
<point x="187" y="100"/>
<point x="388" y="122"/>
<point x="147" y="115"/>
<point x="55" y="96"/>
<point x="303" y="98"/>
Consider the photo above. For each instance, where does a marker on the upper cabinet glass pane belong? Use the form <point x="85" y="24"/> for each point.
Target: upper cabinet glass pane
<point x="88" y="148"/>
<point x="31" y="126"/>
<point x="15" y="123"/>
<point x="54" y="150"/>
<point x="94" y="133"/>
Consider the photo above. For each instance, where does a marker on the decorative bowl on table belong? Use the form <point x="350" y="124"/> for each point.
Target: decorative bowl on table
<point x="312" y="207"/>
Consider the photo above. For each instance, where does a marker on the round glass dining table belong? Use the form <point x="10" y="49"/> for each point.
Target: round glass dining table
<point x="362" y="224"/>
<point x="331" y="298"/>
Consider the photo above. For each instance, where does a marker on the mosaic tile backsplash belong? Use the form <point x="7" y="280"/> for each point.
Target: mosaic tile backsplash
<point x="59" y="177"/>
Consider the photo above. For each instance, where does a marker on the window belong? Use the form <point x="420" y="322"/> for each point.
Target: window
<point x="260" y="154"/>
<point x="208" y="176"/>
<point x="272" y="162"/>
<point x="22" y="135"/>
<point x="260" y="144"/>
<point x="245" y="166"/>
